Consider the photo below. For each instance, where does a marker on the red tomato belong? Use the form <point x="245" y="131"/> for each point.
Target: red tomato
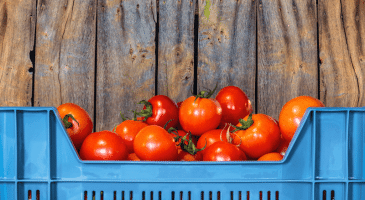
<point x="128" y="131"/>
<point x="155" y="143"/>
<point x="103" y="145"/>
<point x="260" y="138"/>
<point x="273" y="156"/>
<point x="76" y="130"/>
<point x="199" y="115"/>
<point x="163" y="109"/>
<point x="185" y="156"/>
<point x="283" y="146"/>
<point x="133" y="157"/>
<point x="210" y="137"/>
<point x="292" y="112"/>
<point x="223" y="151"/>
<point x="178" y="126"/>
<point x="235" y="105"/>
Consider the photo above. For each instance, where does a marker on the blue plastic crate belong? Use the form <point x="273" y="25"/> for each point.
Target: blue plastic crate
<point x="324" y="161"/>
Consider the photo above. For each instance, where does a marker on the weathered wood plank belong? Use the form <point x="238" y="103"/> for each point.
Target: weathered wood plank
<point x="65" y="53"/>
<point x="227" y="45"/>
<point x="287" y="53"/>
<point x="176" y="49"/>
<point x="16" y="42"/>
<point x="342" y="44"/>
<point x="125" y="58"/>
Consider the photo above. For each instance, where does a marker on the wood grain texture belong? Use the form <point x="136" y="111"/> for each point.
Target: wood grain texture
<point x="342" y="45"/>
<point x="287" y="53"/>
<point x="227" y="45"/>
<point x="16" y="42"/>
<point x="65" y="53"/>
<point x="176" y="48"/>
<point x="125" y="58"/>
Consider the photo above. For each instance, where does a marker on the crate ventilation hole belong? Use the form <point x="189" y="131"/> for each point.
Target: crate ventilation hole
<point x="325" y="195"/>
<point x="241" y="196"/>
<point x="37" y="195"/>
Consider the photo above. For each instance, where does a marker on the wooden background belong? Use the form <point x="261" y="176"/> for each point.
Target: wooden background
<point x="107" y="55"/>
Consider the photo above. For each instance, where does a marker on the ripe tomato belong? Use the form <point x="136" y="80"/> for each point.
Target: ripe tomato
<point x="186" y="156"/>
<point x="199" y="115"/>
<point x="273" y="156"/>
<point x="235" y="105"/>
<point x="76" y="130"/>
<point x="223" y="151"/>
<point x="292" y="112"/>
<point x="158" y="110"/>
<point x="261" y="137"/>
<point x="155" y="143"/>
<point x="283" y="146"/>
<point x="210" y="137"/>
<point x="103" y="145"/>
<point x="128" y="131"/>
<point x="133" y="157"/>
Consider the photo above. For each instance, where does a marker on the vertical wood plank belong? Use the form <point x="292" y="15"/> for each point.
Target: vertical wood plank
<point x="342" y="44"/>
<point x="125" y="58"/>
<point x="65" y="53"/>
<point x="227" y="45"/>
<point x="176" y="48"/>
<point x="16" y="43"/>
<point x="287" y="53"/>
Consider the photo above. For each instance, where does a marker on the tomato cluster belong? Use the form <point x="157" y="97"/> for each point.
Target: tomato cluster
<point x="200" y="128"/>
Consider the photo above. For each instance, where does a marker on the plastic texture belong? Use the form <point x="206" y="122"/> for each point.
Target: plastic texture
<point x="325" y="160"/>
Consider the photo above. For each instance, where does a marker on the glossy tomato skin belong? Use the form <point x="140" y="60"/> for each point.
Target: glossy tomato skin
<point x="153" y="143"/>
<point x="223" y="151"/>
<point x="210" y="137"/>
<point x="273" y="156"/>
<point x="262" y="137"/>
<point x="292" y="112"/>
<point x="200" y="115"/>
<point x="163" y="110"/>
<point x="283" y="146"/>
<point x="235" y="105"/>
<point x="103" y="145"/>
<point x="128" y="131"/>
<point x="79" y="131"/>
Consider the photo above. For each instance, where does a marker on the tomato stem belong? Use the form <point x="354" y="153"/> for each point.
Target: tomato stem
<point x="167" y="123"/>
<point x="67" y="123"/>
<point x="190" y="147"/>
<point x="245" y="124"/>
<point x="206" y="94"/>
<point x="147" y="112"/>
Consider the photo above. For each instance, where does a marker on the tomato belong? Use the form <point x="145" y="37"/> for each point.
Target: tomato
<point x="235" y="105"/>
<point x="133" y="157"/>
<point x="199" y="115"/>
<point x="128" y="131"/>
<point x="261" y="135"/>
<point x="210" y="137"/>
<point x="79" y="129"/>
<point x="186" y="156"/>
<point x="273" y="156"/>
<point x="283" y="146"/>
<point x="103" y="145"/>
<point x="155" y="143"/>
<point x="158" y="110"/>
<point x="178" y="126"/>
<point x="292" y="112"/>
<point x="223" y="151"/>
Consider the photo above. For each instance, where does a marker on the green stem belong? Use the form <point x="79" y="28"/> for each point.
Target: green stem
<point x="67" y="123"/>
<point x="244" y="124"/>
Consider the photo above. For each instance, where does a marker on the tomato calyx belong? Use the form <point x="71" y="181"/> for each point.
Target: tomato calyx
<point x="245" y="124"/>
<point x="145" y="113"/>
<point x="206" y="94"/>
<point x="190" y="146"/>
<point x="67" y="123"/>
